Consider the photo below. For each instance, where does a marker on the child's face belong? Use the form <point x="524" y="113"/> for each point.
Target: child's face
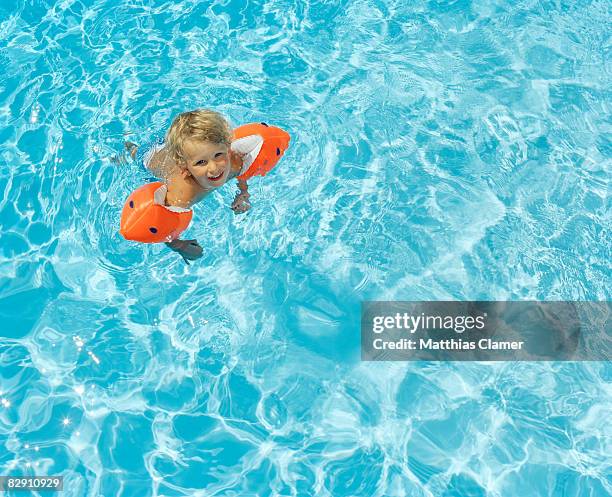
<point x="207" y="162"/>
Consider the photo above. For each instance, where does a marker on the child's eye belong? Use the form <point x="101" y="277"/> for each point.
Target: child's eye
<point x="201" y="162"/>
<point x="219" y="154"/>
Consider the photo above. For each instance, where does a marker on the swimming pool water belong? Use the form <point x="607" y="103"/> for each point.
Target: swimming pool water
<point x="441" y="150"/>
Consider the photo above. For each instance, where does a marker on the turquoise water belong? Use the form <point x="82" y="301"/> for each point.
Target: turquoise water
<point x="440" y="151"/>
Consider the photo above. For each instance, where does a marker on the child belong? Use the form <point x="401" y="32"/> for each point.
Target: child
<point x="201" y="153"/>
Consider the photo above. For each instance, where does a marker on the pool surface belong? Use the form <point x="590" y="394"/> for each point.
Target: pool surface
<point x="440" y="151"/>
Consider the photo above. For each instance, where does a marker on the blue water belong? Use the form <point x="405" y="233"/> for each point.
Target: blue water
<point x="440" y="151"/>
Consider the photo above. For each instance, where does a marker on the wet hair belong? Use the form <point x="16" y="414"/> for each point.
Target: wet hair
<point x="196" y="125"/>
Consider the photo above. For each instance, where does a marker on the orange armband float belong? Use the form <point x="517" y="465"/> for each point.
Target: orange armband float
<point x="263" y="146"/>
<point x="146" y="218"/>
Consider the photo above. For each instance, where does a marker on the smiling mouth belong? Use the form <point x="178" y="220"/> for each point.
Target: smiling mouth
<point x="215" y="178"/>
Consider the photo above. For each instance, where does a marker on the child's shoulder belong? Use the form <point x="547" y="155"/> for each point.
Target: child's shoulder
<point x="236" y="163"/>
<point x="183" y="191"/>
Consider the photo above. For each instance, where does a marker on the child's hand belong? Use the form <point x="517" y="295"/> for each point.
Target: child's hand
<point x="241" y="203"/>
<point x="190" y="250"/>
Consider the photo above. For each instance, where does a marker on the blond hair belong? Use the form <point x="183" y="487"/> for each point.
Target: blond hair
<point x="196" y="125"/>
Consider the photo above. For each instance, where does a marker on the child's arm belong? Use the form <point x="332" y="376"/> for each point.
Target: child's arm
<point x="184" y="191"/>
<point x="243" y="187"/>
<point x="241" y="203"/>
